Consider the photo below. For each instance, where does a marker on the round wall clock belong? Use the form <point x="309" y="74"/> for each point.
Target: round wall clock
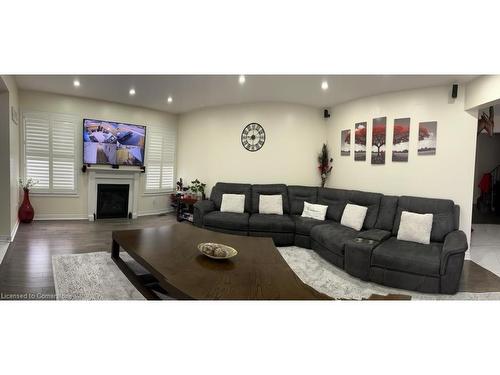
<point x="253" y="137"/>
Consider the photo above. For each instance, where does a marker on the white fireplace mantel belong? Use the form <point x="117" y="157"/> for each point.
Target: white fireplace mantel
<point x="120" y="176"/>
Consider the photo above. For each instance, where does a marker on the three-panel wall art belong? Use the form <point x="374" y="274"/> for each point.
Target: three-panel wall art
<point x="427" y="135"/>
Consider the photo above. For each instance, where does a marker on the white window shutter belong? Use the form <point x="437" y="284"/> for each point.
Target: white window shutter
<point x="37" y="150"/>
<point x="49" y="151"/>
<point x="63" y="154"/>
<point x="160" y="159"/>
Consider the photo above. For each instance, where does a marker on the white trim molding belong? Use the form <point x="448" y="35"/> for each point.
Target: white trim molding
<point x="59" y="217"/>
<point x="155" y="212"/>
<point x="14" y="231"/>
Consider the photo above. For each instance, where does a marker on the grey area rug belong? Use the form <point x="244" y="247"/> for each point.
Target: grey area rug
<point x="91" y="276"/>
<point x="334" y="282"/>
<point x="94" y="276"/>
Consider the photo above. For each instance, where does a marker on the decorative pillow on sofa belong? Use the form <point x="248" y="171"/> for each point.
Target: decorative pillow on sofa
<point x="314" y="211"/>
<point x="415" y="227"/>
<point x="354" y="216"/>
<point x="233" y="203"/>
<point x="271" y="204"/>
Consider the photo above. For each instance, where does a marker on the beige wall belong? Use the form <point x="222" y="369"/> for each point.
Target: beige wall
<point x="210" y="147"/>
<point x="482" y="91"/>
<point x="76" y="207"/>
<point x="4" y="167"/>
<point x="10" y="156"/>
<point x="448" y="174"/>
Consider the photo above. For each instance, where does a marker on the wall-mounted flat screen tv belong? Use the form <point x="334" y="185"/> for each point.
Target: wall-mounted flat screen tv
<point x="115" y="143"/>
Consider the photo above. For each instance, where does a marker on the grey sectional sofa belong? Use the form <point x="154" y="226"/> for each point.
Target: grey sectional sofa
<point x="374" y="253"/>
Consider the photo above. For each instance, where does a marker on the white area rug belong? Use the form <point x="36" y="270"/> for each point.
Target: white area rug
<point x="334" y="282"/>
<point x="91" y="276"/>
<point x="94" y="276"/>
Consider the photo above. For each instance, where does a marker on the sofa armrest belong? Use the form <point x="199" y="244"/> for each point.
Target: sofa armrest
<point x="375" y="235"/>
<point x="201" y="208"/>
<point x="454" y="243"/>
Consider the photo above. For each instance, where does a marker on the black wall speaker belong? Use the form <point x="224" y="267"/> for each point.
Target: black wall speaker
<point x="454" y="91"/>
<point x="326" y="114"/>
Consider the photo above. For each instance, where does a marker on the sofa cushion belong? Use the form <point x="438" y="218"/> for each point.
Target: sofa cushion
<point x="333" y="236"/>
<point x="314" y="211"/>
<point x="410" y="257"/>
<point x="233" y="203"/>
<point x="271" y="204"/>
<point x="369" y="200"/>
<point x="230" y="188"/>
<point x="335" y="199"/>
<point x="415" y="227"/>
<point x="271" y="223"/>
<point x="443" y="221"/>
<point x="269" y="189"/>
<point x="297" y="195"/>
<point x="226" y="220"/>
<point x="387" y="212"/>
<point x="303" y="225"/>
<point x="353" y="216"/>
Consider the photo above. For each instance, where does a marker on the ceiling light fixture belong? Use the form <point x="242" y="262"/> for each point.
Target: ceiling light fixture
<point x="169" y="99"/>
<point x="324" y="85"/>
<point x="76" y="83"/>
<point x="241" y="79"/>
<point x="132" y="92"/>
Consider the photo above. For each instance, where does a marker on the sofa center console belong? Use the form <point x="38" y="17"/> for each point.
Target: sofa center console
<point x="357" y="258"/>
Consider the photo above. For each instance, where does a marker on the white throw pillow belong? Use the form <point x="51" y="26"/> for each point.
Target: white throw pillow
<point x="314" y="211"/>
<point x="233" y="203"/>
<point x="354" y="216"/>
<point x="415" y="227"/>
<point x="271" y="204"/>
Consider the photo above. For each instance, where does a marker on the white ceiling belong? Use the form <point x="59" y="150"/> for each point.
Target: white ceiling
<point x="191" y="92"/>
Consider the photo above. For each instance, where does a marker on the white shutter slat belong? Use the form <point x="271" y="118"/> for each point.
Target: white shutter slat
<point x="37" y="150"/>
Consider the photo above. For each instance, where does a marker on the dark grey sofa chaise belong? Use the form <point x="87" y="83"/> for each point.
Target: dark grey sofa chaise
<point x="374" y="253"/>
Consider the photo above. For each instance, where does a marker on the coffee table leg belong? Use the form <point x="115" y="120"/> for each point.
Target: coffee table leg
<point x="115" y="250"/>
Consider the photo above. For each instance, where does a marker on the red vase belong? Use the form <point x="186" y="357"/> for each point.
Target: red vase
<point x="26" y="211"/>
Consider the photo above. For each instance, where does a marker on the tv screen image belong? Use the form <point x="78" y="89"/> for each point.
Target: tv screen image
<point x="108" y="142"/>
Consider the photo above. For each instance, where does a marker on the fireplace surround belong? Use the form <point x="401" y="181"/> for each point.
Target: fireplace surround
<point x="108" y="176"/>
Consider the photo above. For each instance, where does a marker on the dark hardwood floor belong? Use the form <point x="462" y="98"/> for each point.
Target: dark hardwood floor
<point x="26" y="271"/>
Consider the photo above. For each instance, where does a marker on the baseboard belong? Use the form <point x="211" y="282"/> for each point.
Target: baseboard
<point x="60" y="217"/>
<point x="14" y="231"/>
<point x="4" y="238"/>
<point x="155" y="212"/>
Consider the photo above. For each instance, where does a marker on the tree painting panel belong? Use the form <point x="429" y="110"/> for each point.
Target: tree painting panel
<point x="401" y="139"/>
<point x="360" y="141"/>
<point x="345" y="142"/>
<point x="427" y="135"/>
<point x="378" y="140"/>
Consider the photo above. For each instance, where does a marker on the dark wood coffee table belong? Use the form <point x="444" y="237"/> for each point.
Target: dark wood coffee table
<point x="170" y="254"/>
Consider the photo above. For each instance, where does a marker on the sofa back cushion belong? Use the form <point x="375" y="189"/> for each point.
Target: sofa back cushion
<point x="297" y="195"/>
<point x="387" y="212"/>
<point x="269" y="189"/>
<point x="370" y="200"/>
<point x="443" y="211"/>
<point x="231" y="188"/>
<point x="335" y="199"/>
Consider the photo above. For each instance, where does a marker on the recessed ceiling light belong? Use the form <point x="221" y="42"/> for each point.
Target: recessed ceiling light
<point x="241" y="79"/>
<point x="76" y="83"/>
<point x="132" y="92"/>
<point x="324" y="85"/>
<point x="169" y="99"/>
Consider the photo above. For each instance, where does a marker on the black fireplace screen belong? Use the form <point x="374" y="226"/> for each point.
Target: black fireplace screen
<point x="112" y="201"/>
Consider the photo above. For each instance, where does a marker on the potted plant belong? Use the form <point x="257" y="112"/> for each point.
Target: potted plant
<point x="198" y="188"/>
<point x="26" y="211"/>
<point x="324" y="160"/>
